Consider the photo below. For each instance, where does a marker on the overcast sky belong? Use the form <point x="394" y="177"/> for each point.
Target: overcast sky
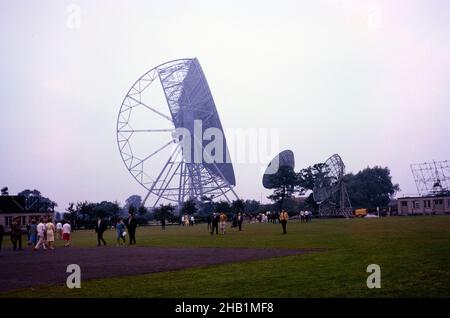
<point x="366" y="79"/>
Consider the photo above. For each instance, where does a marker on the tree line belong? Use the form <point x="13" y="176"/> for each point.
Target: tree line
<point x="369" y="188"/>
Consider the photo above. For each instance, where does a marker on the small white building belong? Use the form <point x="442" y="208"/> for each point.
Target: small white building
<point x="438" y="204"/>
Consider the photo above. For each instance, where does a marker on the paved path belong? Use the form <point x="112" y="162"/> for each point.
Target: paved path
<point x="29" y="269"/>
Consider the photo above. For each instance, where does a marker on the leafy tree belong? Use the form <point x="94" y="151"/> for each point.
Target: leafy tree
<point x="142" y="211"/>
<point x="36" y="201"/>
<point x="164" y="211"/>
<point x="85" y="211"/>
<point x="132" y="209"/>
<point x="133" y="202"/>
<point x="30" y="193"/>
<point x="115" y="210"/>
<point x="206" y="206"/>
<point x="71" y="214"/>
<point x="284" y="184"/>
<point x="307" y="177"/>
<point x="311" y="204"/>
<point x="368" y="188"/>
<point x="291" y="205"/>
<point x="238" y="206"/>
<point x="251" y="206"/>
<point x="222" y="206"/>
<point x="106" y="209"/>
<point x="371" y="187"/>
<point x="143" y="214"/>
<point x="189" y="207"/>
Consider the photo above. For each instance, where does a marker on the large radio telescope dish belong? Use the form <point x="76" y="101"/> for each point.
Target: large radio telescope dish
<point x="330" y="191"/>
<point x="284" y="158"/>
<point x="329" y="179"/>
<point x="172" y="98"/>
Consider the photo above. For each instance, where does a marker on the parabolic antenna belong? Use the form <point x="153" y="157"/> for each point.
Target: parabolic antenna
<point x="284" y="158"/>
<point x="432" y="178"/>
<point x="161" y="130"/>
<point x="328" y="181"/>
<point x="330" y="191"/>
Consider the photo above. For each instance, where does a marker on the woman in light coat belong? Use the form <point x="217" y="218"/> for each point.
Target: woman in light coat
<point x="50" y="229"/>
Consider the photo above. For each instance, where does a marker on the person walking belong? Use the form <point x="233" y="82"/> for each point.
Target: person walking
<point x="50" y="227"/>
<point x="209" y="220"/>
<point x="215" y="223"/>
<point x="240" y="219"/>
<point x="59" y="230"/>
<point x="192" y="220"/>
<point x="234" y="220"/>
<point x="309" y="216"/>
<point x="120" y="231"/>
<point x="28" y="233"/>
<point x="163" y="223"/>
<point x="283" y="219"/>
<point x="100" y="228"/>
<point x="40" y="235"/>
<point x="223" y="222"/>
<point x="2" y="232"/>
<point x="16" y="234"/>
<point x="131" y="227"/>
<point x="66" y="230"/>
<point x="32" y="233"/>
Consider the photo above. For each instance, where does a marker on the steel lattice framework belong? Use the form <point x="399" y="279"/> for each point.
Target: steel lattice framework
<point x="330" y="191"/>
<point x="432" y="178"/>
<point x="172" y="96"/>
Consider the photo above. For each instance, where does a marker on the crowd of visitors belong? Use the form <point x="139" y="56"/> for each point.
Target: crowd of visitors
<point x="42" y="233"/>
<point x="40" y="236"/>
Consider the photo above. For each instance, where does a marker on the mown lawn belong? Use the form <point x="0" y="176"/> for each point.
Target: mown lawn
<point x="413" y="253"/>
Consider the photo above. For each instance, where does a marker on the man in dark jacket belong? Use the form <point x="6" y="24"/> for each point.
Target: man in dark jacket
<point x="16" y="234"/>
<point x="210" y="219"/>
<point x="131" y="227"/>
<point x="240" y="219"/>
<point x="283" y="220"/>
<point x="100" y="228"/>
<point x="215" y="223"/>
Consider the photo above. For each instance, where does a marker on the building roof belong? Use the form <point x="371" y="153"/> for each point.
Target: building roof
<point x="441" y="196"/>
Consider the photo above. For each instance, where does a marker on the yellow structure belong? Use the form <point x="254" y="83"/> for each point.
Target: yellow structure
<point x="361" y="212"/>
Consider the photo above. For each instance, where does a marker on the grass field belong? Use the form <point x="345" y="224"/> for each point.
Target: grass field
<point x="413" y="253"/>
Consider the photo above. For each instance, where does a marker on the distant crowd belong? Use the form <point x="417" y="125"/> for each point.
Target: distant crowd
<point x="42" y="233"/>
<point x="217" y="220"/>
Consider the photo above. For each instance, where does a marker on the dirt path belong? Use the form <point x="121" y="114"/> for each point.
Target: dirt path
<point x="29" y="269"/>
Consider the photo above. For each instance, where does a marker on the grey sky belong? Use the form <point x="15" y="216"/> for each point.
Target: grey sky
<point x="366" y="79"/>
